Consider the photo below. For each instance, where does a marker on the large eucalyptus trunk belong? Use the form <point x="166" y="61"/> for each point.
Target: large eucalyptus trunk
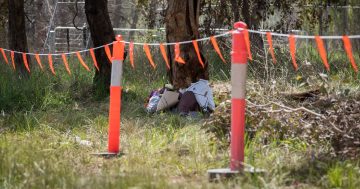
<point x="182" y="24"/>
<point x="17" y="34"/>
<point x="101" y="33"/>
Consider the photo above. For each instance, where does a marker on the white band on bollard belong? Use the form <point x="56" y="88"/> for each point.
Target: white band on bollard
<point x="116" y="72"/>
<point x="238" y="80"/>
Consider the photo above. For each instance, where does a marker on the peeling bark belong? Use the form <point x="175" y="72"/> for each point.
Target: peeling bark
<point x="182" y="24"/>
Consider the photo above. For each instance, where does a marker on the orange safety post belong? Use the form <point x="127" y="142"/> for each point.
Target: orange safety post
<point x="239" y="62"/>
<point x="239" y="56"/>
<point x="115" y="96"/>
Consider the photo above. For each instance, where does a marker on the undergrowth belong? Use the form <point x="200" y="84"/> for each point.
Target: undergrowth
<point x="45" y="118"/>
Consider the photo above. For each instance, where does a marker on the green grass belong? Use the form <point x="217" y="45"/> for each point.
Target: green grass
<point x="42" y="117"/>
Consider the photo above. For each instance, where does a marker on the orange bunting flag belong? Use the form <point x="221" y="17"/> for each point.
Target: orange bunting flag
<point x="177" y="54"/>
<point x="94" y="59"/>
<point x="216" y="47"/>
<point x="348" y="49"/>
<point x="66" y="63"/>
<point x="271" y="48"/>
<point x="4" y="55"/>
<point x="82" y="61"/>
<point x="26" y="62"/>
<point x="108" y="53"/>
<point x="322" y="51"/>
<point x="38" y="60"/>
<point x="196" y="46"/>
<point x="164" y="55"/>
<point x="51" y="64"/>
<point x="247" y="43"/>
<point x="148" y="55"/>
<point x="131" y="53"/>
<point x="292" y="46"/>
<point x="12" y="54"/>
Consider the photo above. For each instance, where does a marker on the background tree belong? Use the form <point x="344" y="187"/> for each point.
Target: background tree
<point x="3" y="22"/>
<point x="17" y="33"/>
<point x="101" y="33"/>
<point x="182" y="24"/>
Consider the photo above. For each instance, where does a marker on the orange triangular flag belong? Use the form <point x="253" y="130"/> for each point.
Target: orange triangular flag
<point x="177" y="54"/>
<point x="322" y="51"/>
<point x="148" y="55"/>
<point x="94" y="59"/>
<point x="164" y="55"/>
<point x="4" y="55"/>
<point x="66" y="63"/>
<point x="348" y="49"/>
<point x="12" y="54"/>
<point x="247" y="43"/>
<point x="271" y="48"/>
<point x="82" y="61"/>
<point x="51" y="64"/>
<point x="196" y="46"/>
<point x="131" y="54"/>
<point x="108" y="53"/>
<point x="292" y="46"/>
<point x="216" y="47"/>
<point x="38" y="60"/>
<point x="26" y="62"/>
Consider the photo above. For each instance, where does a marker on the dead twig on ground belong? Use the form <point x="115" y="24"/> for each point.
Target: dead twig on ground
<point x="285" y="108"/>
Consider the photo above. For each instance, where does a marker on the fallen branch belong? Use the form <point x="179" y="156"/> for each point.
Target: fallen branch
<point x="299" y="109"/>
<point x="285" y="108"/>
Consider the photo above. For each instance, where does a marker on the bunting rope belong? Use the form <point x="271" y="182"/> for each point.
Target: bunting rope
<point x="126" y="42"/>
<point x="189" y="41"/>
<point x="299" y="36"/>
<point x="177" y="58"/>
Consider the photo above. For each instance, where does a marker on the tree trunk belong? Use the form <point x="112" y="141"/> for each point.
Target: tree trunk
<point x="101" y="33"/>
<point x="17" y="34"/>
<point x="135" y="19"/>
<point x="152" y="14"/>
<point x="235" y="9"/>
<point x="182" y="24"/>
<point x="3" y="20"/>
<point x="346" y="12"/>
<point x="253" y="13"/>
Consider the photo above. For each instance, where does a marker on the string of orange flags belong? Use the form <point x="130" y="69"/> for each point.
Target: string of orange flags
<point x="292" y="45"/>
<point x="146" y="47"/>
